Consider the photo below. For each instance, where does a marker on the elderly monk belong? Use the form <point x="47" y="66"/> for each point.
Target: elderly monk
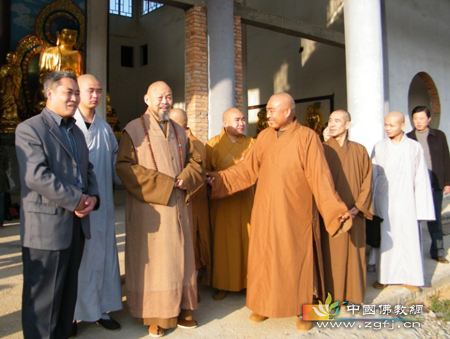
<point x="293" y="182"/>
<point x="344" y="257"/>
<point x="201" y="229"/>
<point x="160" y="169"/>
<point x="230" y="216"/>
<point x="402" y="196"/>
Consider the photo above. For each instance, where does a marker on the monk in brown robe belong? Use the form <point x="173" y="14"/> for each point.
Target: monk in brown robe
<point x="230" y="216"/>
<point x="201" y="229"/>
<point x="294" y="181"/>
<point x="344" y="257"/>
<point x="160" y="170"/>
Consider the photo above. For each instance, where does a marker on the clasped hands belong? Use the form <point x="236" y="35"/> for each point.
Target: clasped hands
<point x="180" y="184"/>
<point x="85" y="206"/>
<point x="209" y="179"/>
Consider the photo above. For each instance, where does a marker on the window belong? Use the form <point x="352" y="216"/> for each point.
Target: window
<point x="144" y="55"/>
<point x="126" y="57"/>
<point x="149" y="6"/>
<point x="121" y="7"/>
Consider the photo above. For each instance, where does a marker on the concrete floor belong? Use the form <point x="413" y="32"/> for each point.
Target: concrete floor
<point x="217" y="319"/>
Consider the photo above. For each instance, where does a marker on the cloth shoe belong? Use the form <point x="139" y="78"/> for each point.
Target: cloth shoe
<point x="220" y="295"/>
<point x="183" y="323"/>
<point x="303" y="325"/>
<point x="108" y="324"/>
<point x="155" y="331"/>
<point x="412" y="288"/>
<point x="379" y="286"/>
<point x="255" y="317"/>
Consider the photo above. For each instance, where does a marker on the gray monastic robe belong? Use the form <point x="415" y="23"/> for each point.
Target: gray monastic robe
<point x="99" y="289"/>
<point x="402" y="196"/>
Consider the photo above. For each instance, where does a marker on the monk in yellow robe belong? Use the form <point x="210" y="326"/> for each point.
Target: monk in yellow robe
<point x="294" y="182"/>
<point x="230" y="216"/>
<point x="201" y="229"/>
<point x="160" y="170"/>
<point x="344" y="257"/>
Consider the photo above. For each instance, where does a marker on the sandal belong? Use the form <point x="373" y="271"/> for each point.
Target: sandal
<point x="155" y="331"/>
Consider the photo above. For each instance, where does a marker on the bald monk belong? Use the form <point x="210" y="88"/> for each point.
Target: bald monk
<point x="99" y="288"/>
<point x="344" y="257"/>
<point x="201" y="229"/>
<point x="160" y="170"/>
<point x="294" y="182"/>
<point x="402" y="197"/>
<point x="230" y="216"/>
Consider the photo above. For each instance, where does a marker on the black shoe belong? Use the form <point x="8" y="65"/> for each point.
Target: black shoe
<point x="441" y="260"/>
<point x="108" y="324"/>
<point x="74" y="331"/>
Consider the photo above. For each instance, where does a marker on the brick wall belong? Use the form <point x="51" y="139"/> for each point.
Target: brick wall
<point x="432" y="92"/>
<point x="197" y="71"/>
<point x="238" y="61"/>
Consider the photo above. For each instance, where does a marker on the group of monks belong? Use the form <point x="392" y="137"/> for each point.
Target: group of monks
<point x="282" y="216"/>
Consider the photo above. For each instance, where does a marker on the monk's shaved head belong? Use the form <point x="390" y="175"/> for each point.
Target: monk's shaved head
<point x="280" y="111"/>
<point x="234" y="122"/>
<point x="85" y="78"/>
<point x="397" y="116"/>
<point x="345" y="115"/>
<point x="393" y="125"/>
<point x="91" y="93"/>
<point x="159" y="100"/>
<point x="286" y="99"/>
<point x="338" y="125"/>
<point x="230" y="113"/>
<point x="157" y="85"/>
<point x="179" y="116"/>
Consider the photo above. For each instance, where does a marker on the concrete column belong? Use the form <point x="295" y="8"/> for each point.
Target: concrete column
<point x="97" y="46"/>
<point x="221" y="61"/>
<point x="364" y="59"/>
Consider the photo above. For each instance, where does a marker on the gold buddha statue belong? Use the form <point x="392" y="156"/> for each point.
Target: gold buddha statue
<point x="314" y="119"/>
<point x="61" y="57"/>
<point x="10" y="93"/>
<point x="263" y="122"/>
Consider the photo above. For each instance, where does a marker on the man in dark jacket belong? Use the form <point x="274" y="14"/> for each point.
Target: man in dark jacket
<point x="437" y="157"/>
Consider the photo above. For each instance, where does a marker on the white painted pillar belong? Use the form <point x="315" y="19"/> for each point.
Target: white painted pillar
<point x="364" y="59"/>
<point x="97" y="46"/>
<point x="221" y="61"/>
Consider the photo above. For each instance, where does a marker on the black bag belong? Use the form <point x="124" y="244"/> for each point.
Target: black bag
<point x="373" y="231"/>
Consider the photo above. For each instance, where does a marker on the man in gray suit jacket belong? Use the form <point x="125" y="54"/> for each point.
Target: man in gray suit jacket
<point x="58" y="191"/>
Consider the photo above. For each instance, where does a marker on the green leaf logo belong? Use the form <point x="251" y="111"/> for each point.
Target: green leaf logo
<point x="325" y="310"/>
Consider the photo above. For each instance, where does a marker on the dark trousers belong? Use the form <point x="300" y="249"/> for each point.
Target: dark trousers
<point x="435" y="227"/>
<point x="50" y="281"/>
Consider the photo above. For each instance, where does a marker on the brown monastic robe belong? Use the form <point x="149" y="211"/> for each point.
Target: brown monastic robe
<point x="201" y="229"/>
<point x="230" y="216"/>
<point x="159" y="254"/>
<point x="293" y="181"/>
<point x="344" y="257"/>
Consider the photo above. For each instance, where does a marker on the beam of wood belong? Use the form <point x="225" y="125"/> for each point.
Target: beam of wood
<point x="184" y="4"/>
<point x="288" y="26"/>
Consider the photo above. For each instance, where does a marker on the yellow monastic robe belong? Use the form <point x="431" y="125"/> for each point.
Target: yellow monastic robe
<point x="293" y="181"/>
<point x="230" y="216"/>
<point x="344" y="257"/>
<point x="201" y="229"/>
<point x="159" y="255"/>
